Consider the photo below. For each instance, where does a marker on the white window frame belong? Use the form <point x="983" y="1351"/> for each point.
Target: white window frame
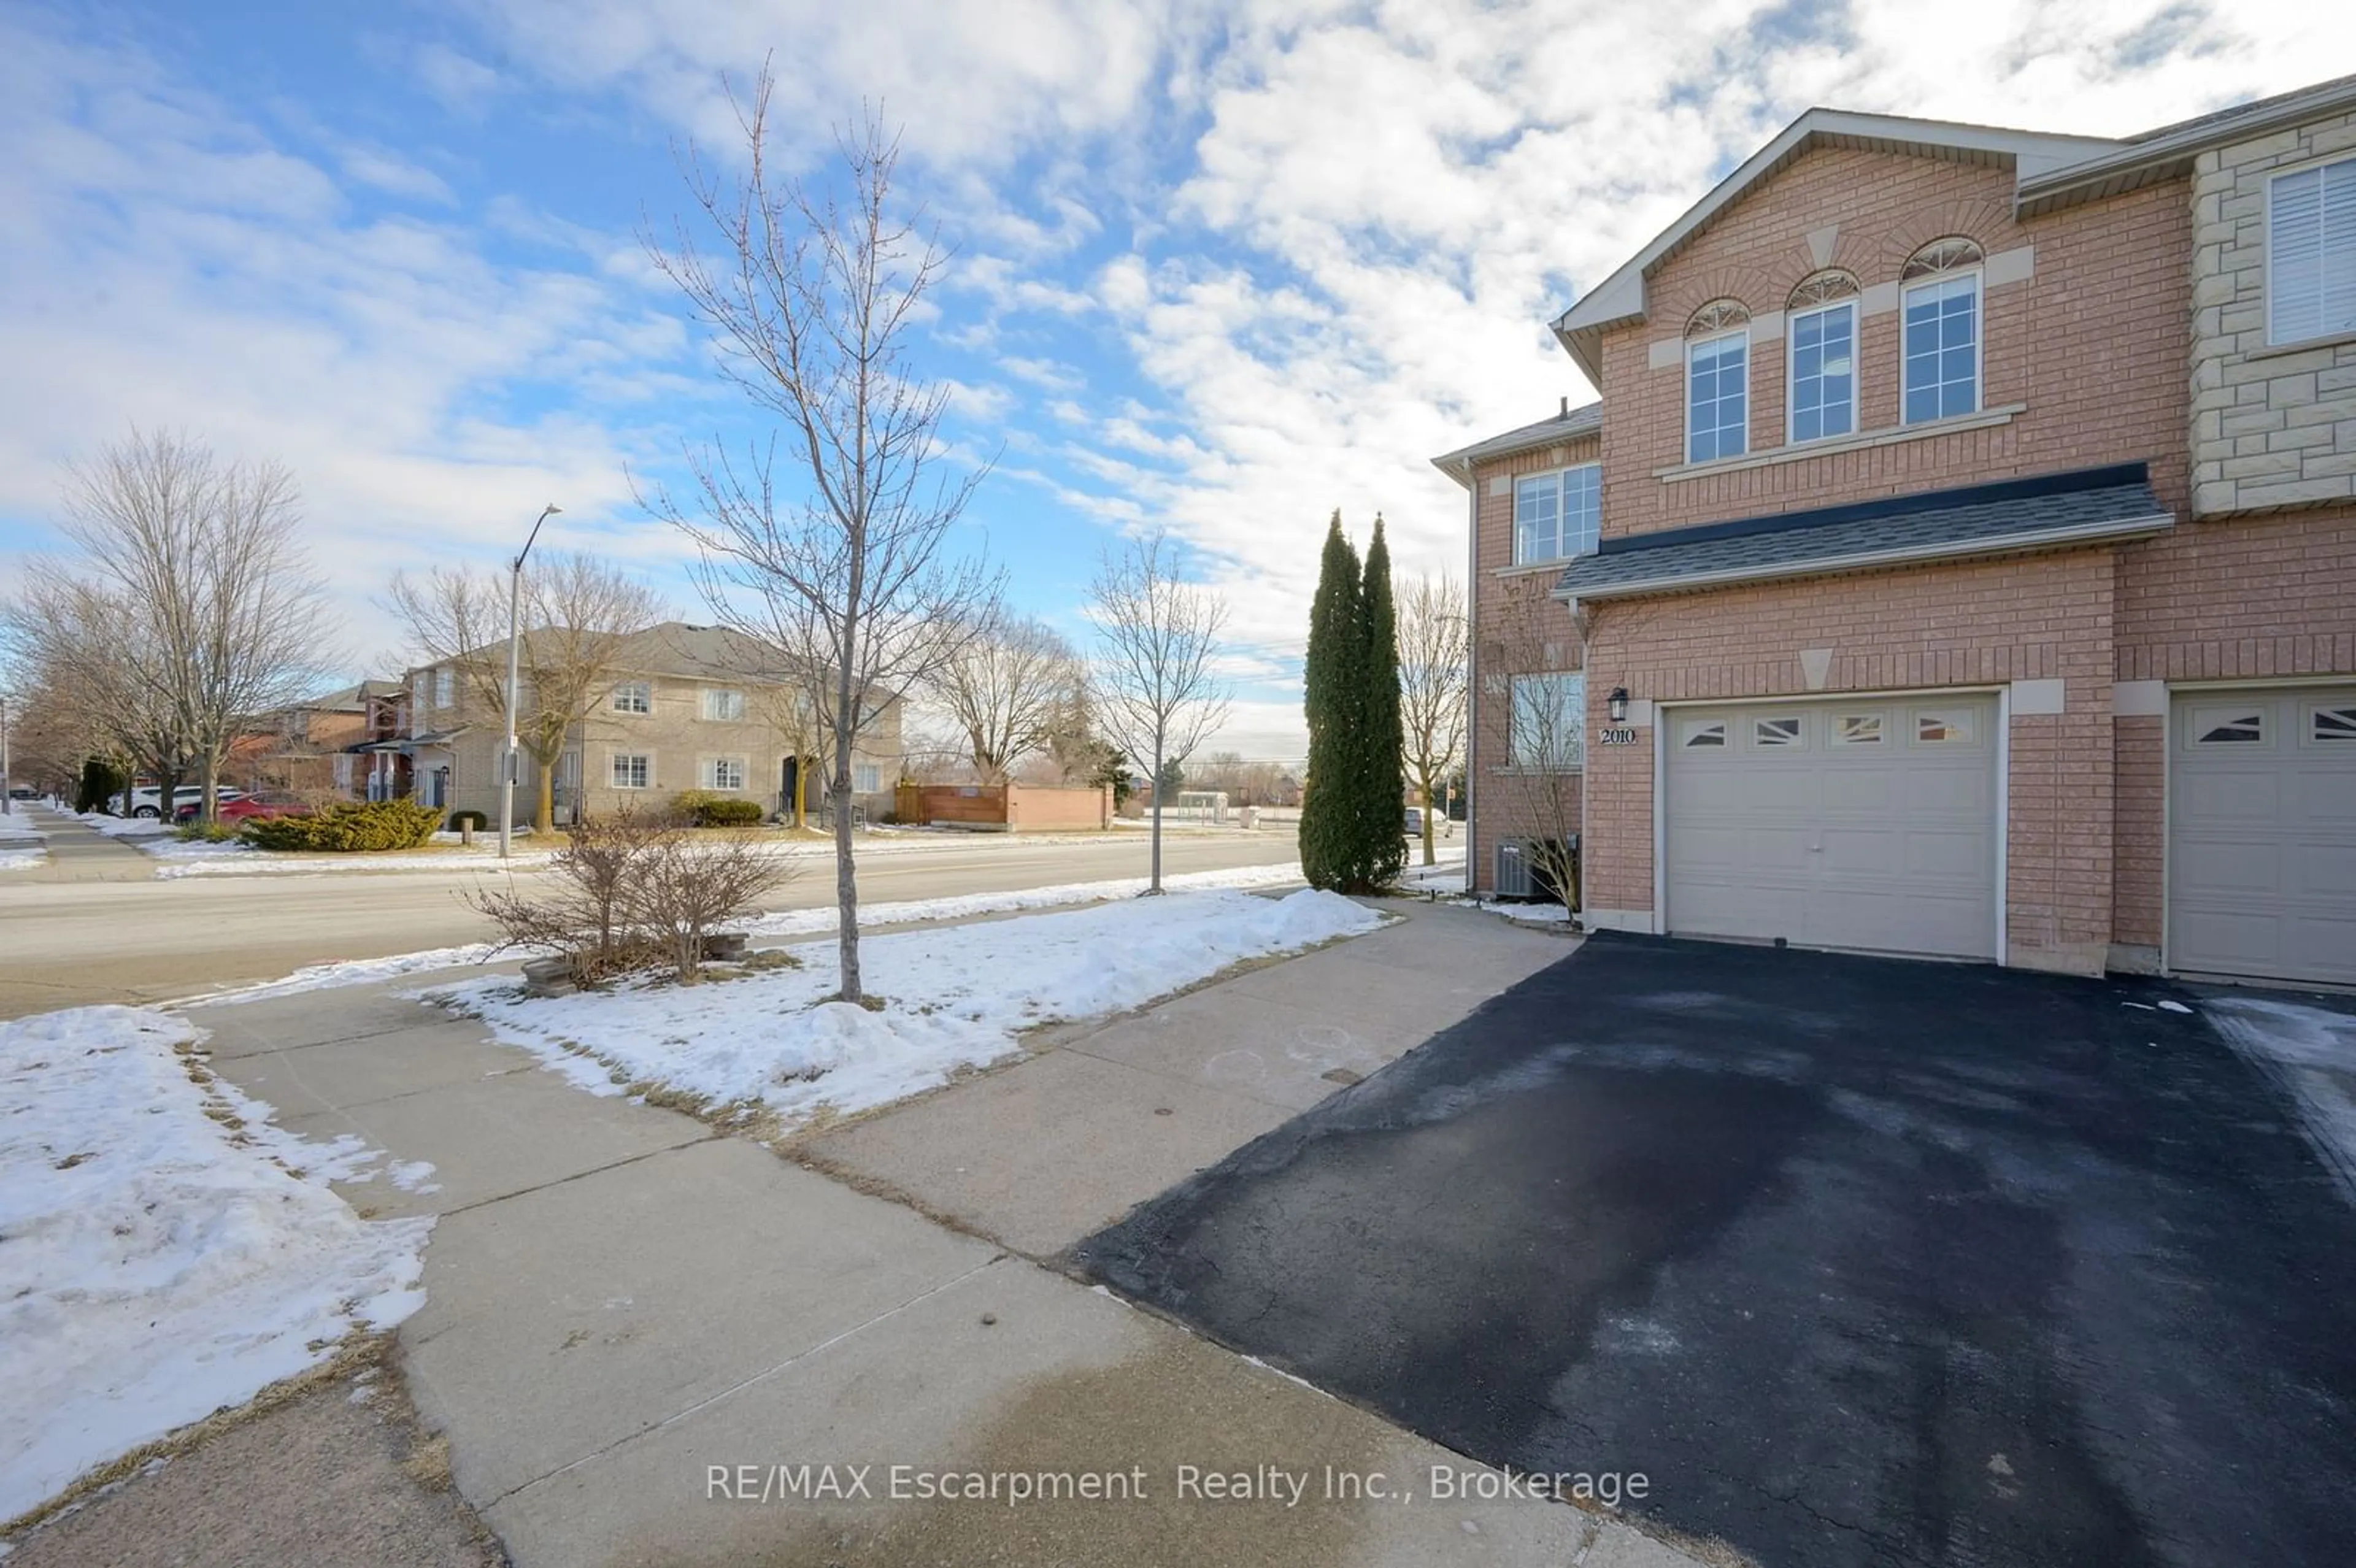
<point x="2328" y="332"/>
<point x="613" y="703"/>
<point x="446" y="688"/>
<point x="1560" y="477"/>
<point x="1569" y="759"/>
<point x="1979" y="341"/>
<point x="712" y="693"/>
<point x="614" y="760"/>
<point x="711" y="770"/>
<point x="871" y="773"/>
<point x="1692" y="346"/>
<point x="1791" y="377"/>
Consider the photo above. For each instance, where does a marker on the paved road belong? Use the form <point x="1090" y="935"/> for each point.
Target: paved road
<point x="71" y="944"/>
<point x="1860" y="1262"/>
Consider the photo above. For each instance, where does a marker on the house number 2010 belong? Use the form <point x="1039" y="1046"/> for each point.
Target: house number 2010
<point x="1617" y="735"/>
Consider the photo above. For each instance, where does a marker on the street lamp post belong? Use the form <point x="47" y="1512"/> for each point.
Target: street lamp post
<point x="515" y="636"/>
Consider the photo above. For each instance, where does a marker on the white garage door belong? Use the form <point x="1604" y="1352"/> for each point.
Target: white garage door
<point x="1866" y="824"/>
<point x="2262" y="834"/>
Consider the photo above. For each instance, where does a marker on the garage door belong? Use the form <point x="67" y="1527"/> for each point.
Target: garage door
<point x="1866" y="823"/>
<point x="2262" y="834"/>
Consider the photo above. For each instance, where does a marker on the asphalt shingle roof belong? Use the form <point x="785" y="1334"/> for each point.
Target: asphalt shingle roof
<point x="1569" y="425"/>
<point x="1931" y="526"/>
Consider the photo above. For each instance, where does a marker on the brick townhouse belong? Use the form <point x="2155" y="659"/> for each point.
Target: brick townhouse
<point x="1962" y="559"/>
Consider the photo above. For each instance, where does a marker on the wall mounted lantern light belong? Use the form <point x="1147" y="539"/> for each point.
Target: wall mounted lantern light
<point x="1619" y="700"/>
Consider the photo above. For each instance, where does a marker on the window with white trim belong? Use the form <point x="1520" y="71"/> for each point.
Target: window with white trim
<point x="724" y="773"/>
<point x="2311" y="252"/>
<point x="1938" y="726"/>
<point x="1942" y="348"/>
<point x="1822" y="351"/>
<point x="1548" y="727"/>
<point x="1718" y="396"/>
<point x="446" y="688"/>
<point x="634" y="696"/>
<point x="866" y="778"/>
<point x="1558" y="515"/>
<point x="1857" y="729"/>
<point x="1786" y="730"/>
<point x="633" y="770"/>
<point x="722" y="705"/>
<point x="1702" y="733"/>
<point x="2332" y="725"/>
<point x="2229" y="727"/>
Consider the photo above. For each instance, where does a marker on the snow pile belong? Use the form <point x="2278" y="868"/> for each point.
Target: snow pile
<point x="956" y="997"/>
<point x="2312" y="1050"/>
<point x="157" y="1263"/>
<point x="15" y="856"/>
<point x="121" y="827"/>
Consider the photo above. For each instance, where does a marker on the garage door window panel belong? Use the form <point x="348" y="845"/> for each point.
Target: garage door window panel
<point x="2236" y="726"/>
<point x="1784" y="731"/>
<point x="1698" y="734"/>
<point x="2332" y="726"/>
<point x="1945" y="727"/>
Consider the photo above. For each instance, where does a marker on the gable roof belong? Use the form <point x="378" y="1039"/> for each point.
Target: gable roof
<point x="2051" y="172"/>
<point x="1620" y="296"/>
<point x="1570" y="424"/>
<point x="2046" y="511"/>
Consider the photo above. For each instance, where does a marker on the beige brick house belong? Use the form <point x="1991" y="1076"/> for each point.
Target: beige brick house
<point x="1962" y="559"/>
<point x="686" y="708"/>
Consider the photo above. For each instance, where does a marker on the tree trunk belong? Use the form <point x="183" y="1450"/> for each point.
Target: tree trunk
<point x="209" y="799"/>
<point x="1156" y="886"/>
<point x="544" y="813"/>
<point x="1429" y="857"/>
<point x="846" y="877"/>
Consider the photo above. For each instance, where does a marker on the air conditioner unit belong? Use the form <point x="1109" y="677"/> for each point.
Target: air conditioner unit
<point x="1512" y="871"/>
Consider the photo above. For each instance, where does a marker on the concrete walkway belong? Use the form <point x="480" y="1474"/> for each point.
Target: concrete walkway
<point x="80" y="853"/>
<point x="623" y="1305"/>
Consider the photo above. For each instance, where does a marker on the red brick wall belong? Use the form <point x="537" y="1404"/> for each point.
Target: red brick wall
<point x="2093" y="342"/>
<point x="1514" y="618"/>
<point x="2037" y="617"/>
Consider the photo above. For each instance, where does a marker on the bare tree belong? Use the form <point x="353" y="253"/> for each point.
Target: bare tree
<point x="1157" y="694"/>
<point x="1435" y="652"/>
<point x="579" y="616"/>
<point x="811" y="300"/>
<point x="1006" y="690"/>
<point x="188" y="611"/>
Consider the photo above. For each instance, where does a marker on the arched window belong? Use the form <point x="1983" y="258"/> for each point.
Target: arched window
<point x="1820" y="356"/>
<point x="1824" y="288"/>
<point x="1947" y="255"/>
<point x="1717" y="315"/>
<point x="1941" y="326"/>
<point x="1717" y="381"/>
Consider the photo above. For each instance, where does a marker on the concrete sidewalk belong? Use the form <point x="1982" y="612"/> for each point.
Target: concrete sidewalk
<point x="622" y="1306"/>
<point x="80" y="853"/>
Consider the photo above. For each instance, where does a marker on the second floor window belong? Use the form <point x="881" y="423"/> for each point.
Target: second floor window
<point x="723" y="705"/>
<point x="1558" y="515"/>
<point x="1718" y="396"/>
<point x="446" y="688"/>
<point x="2311" y="253"/>
<point x="1823" y="344"/>
<point x="1549" y="728"/>
<point x="634" y="696"/>
<point x="866" y="778"/>
<point x="1942" y="348"/>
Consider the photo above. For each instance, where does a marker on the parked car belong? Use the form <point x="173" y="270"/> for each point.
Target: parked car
<point x="147" y="800"/>
<point x="238" y="807"/>
<point x="1443" y="826"/>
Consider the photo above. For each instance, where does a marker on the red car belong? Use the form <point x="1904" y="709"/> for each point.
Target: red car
<point x="247" y="806"/>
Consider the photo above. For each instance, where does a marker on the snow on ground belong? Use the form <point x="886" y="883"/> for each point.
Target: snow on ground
<point x="956" y="997"/>
<point x="164" y="1251"/>
<point x="782" y="922"/>
<point x="2311" y="1050"/>
<point x="133" y="828"/>
<point x="1520" y="914"/>
<point x="15" y="857"/>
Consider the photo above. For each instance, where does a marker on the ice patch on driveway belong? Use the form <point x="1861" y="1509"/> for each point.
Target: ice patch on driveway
<point x="2312" y="1051"/>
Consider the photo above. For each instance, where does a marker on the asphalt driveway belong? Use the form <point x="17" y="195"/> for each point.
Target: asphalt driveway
<point x="1856" y="1261"/>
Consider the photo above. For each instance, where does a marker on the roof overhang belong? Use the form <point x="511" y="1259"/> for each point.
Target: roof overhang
<point x="1621" y="296"/>
<point x="1582" y="423"/>
<point x="2169" y="151"/>
<point x="2026" y="543"/>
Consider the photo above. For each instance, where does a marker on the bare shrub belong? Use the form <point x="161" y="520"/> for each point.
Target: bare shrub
<point x="636" y="891"/>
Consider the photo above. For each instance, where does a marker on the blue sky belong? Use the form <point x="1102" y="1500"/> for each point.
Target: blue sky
<point x="1219" y="266"/>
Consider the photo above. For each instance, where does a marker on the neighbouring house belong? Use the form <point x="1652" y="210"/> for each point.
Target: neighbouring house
<point x="1961" y="560"/>
<point x="311" y="748"/>
<point x="683" y="708"/>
